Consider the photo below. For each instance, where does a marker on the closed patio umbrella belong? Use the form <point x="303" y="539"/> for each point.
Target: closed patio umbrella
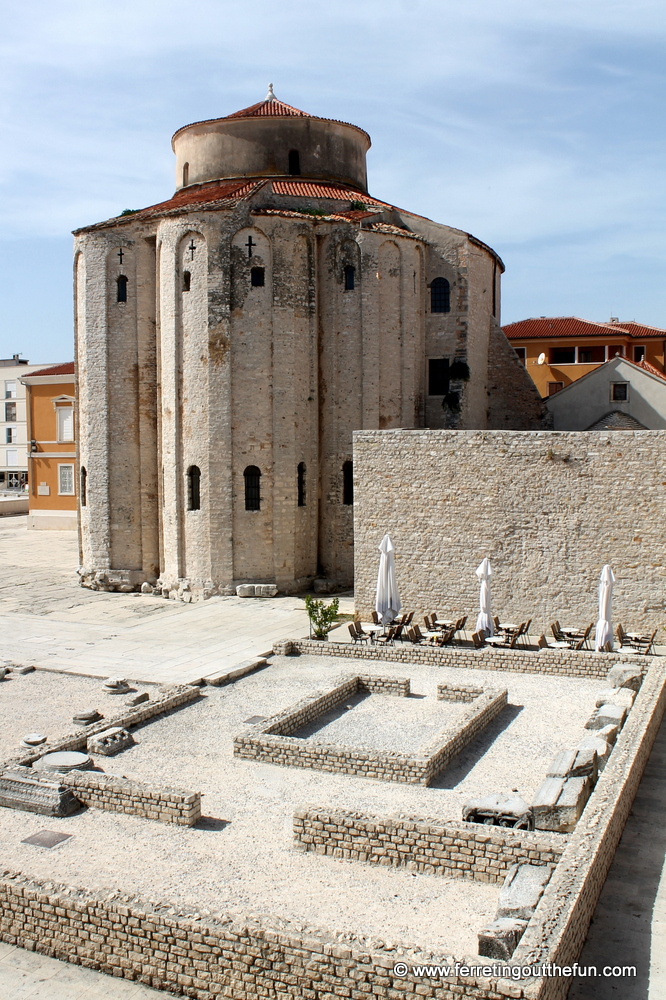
<point x="484" y="623"/>
<point x="604" y="630"/>
<point x="387" y="603"/>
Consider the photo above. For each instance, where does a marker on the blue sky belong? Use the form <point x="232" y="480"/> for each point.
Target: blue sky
<point x="536" y="125"/>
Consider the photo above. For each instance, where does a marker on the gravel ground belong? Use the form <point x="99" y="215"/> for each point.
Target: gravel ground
<point x="239" y="859"/>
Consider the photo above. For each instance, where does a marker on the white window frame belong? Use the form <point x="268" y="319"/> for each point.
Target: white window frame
<point x="61" y="492"/>
<point x="10" y="393"/>
<point x="11" y="432"/>
<point x="61" y="414"/>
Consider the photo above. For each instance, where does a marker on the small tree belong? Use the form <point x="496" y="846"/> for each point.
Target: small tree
<point x="321" y="615"/>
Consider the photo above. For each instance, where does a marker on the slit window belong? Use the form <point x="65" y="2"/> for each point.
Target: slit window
<point x="257" y="277"/>
<point x="440" y="296"/>
<point x="121" y="289"/>
<point x="194" y="488"/>
<point x="521" y="352"/>
<point x="84" y="486"/>
<point x="438" y="376"/>
<point x="350" y="275"/>
<point x="252" y="477"/>
<point x="301" y="484"/>
<point x="187" y="278"/>
<point x="294" y="162"/>
<point x="348" y="483"/>
<point x="186" y="174"/>
<point x="554" y="387"/>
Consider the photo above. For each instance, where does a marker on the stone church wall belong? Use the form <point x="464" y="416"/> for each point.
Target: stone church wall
<point x="548" y="509"/>
<point x="514" y="402"/>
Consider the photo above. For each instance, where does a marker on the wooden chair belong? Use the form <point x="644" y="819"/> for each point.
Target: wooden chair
<point x="558" y="634"/>
<point x="375" y="618"/>
<point x="386" y="640"/>
<point x="496" y="622"/>
<point x="582" y="642"/>
<point x="645" y="643"/>
<point x="357" y="633"/>
<point x="542" y="642"/>
<point x="479" y="640"/>
<point x="622" y="636"/>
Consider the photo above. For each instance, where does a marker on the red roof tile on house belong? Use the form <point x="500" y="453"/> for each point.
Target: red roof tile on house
<point x="314" y="189"/>
<point x="646" y="366"/>
<point x="571" y="326"/>
<point x="639" y="330"/>
<point x="66" y="369"/>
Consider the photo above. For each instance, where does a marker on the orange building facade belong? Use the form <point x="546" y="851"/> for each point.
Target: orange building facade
<point x="52" y="474"/>
<point x="559" y="350"/>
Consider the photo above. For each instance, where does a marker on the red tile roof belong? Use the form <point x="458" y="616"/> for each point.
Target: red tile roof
<point x="646" y="366"/>
<point x="66" y="369"/>
<point x="271" y="109"/>
<point x="317" y="189"/>
<point x="548" y="327"/>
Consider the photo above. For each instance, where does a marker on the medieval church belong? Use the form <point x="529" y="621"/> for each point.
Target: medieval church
<point x="231" y="339"/>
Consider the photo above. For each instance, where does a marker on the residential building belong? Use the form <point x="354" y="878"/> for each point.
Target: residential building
<point x="618" y="395"/>
<point x="558" y="350"/>
<point x="52" y="456"/>
<point x="13" y="429"/>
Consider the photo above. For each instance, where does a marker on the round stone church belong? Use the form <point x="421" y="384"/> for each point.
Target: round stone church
<point x="230" y="340"/>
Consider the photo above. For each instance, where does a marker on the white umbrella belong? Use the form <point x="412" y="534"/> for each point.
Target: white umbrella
<point x="604" y="631"/>
<point x="484" y="623"/>
<point x="387" y="603"/>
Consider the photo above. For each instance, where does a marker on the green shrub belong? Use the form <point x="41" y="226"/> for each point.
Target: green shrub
<point x="321" y="615"/>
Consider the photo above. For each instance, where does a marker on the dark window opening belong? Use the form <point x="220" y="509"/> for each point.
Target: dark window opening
<point x="186" y="174"/>
<point x="620" y="392"/>
<point x="615" y="350"/>
<point x="520" y="351"/>
<point x="301" y="484"/>
<point x="257" y="277"/>
<point x="294" y="162"/>
<point x="193" y="488"/>
<point x="10" y="412"/>
<point x="187" y="278"/>
<point x="563" y="356"/>
<point x="592" y="355"/>
<point x="348" y="483"/>
<point x="252" y="488"/>
<point x="639" y="354"/>
<point x="84" y="486"/>
<point x="438" y="376"/>
<point x="440" y="296"/>
<point x="350" y="274"/>
<point x="554" y="387"/>
<point x="121" y="294"/>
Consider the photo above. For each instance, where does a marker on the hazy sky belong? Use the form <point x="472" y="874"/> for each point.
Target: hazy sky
<point x="535" y="125"/>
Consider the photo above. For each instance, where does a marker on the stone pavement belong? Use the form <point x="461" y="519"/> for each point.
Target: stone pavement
<point x="48" y="620"/>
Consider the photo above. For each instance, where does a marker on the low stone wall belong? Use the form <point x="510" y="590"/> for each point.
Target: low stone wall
<point x="272" y="740"/>
<point x="558" y="662"/>
<point x="115" y="794"/>
<point x="457" y="692"/>
<point x="463" y="850"/>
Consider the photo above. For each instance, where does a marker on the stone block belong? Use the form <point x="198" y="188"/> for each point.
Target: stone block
<point x="607" y="715"/>
<point x="625" y="675"/>
<point x="220" y="677"/>
<point x="558" y="803"/>
<point x="616" y="696"/>
<point x="110" y="742"/>
<point x="500" y="938"/>
<point x="523" y="888"/>
<point x="137" y="699"/>
<point x="38" y="793"/>
<point x="245" y="590"/>
<point x="265" y="590"/>
<point x="503" y="809"/>
<point x="599" y="747"/>
<point x="146" y="588"/>
<point x="3" y="673"/>
<point x="579" y="763"/>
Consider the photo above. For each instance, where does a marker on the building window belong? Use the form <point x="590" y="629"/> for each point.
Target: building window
<point x="619" y="392"/>
<point x="186" y="174"/>
<point x="350" y="274"/>
<point x="10" y="390"/>
<point x="194" y="488"/>
<point x="16" y="480"/>
<point x="84" y="486"/>
<point x="615" y="351"/>
<point x="187" y="277"/>
<point x="252" y="488"/>
<point x="639" y="353"/>
<point x="554" y="387"/>
<point x="438" y="376"/>
<point x="10" y="412"/>
<point x="12" y="435"/>
<point x="294" y="162"/>
<point x="593" y="355"/>
<point x="257" y="277"/>
<point x="521" y="352"/>
<point x="563" y="356"/>
<point x="65" y="419"/>
<point x="121" y="291"/>
<point x="66" y="480"/>
<point x="11" y="456"/>
<point x="301" y="484"/>
<point x="440" y="296"/>
<point x="348" y="483"/>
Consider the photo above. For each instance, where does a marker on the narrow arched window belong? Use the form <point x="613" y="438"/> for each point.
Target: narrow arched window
<point x="84" y="486"/>
<point x="186" y="174"/>
<point x="348" y="483"/>
<point x="194" y="488"/>
<point x="350" y="274"/>
<point x="257" y="277"/>
<point x="252" y="488"/>
<point x="440" y="296"/>
<point x="294" y="162"/>
<point x="301" y="484"/>
<point x="121" y="292"/>
<point x="187" y="277"/>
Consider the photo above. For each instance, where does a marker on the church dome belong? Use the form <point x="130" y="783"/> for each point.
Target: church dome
<point x="271" y="139"/>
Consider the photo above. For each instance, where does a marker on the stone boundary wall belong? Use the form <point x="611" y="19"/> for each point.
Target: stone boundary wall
<point x="272" y="740"/>
<point x="115" y="794"/>
<point x="457" y="692"/>
<point x="557" y="662"/>
<point x="548" y="508"/>
<point x="558" y="929"/>
<point x="463" y="850"/>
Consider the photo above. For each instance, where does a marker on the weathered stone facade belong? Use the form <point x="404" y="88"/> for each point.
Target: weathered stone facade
<point x="253" y="322"/>
<point x="548" y="509"/>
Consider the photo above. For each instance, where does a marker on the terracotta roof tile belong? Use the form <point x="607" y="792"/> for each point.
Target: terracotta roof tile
<point x="321" y="189"/>
<point x="65" y="369"/>
<point x="640" y="330"/>
<point x="571" y="326"/>
<point x="270" y="109"/>
<point x="646" y="366"/>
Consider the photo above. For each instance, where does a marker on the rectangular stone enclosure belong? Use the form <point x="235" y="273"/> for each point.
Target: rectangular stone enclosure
<point x="548" y="509"/>
<point x="273" y="741"/>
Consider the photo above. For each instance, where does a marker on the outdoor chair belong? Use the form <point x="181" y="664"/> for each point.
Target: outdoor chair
<point x="430" y="626"/>
<point x="375" y="618"/>
<point x="622" y="637"/>
<point x="542" y="642"/>
<point x="645" y="643"/>
<point x="444" y="638"/>
<point x="386" y="640"/>
<point x="558" y="634"/>
<point x="496" y="622"/>
<point x="357" y="633"/>
<point x="582" y="642"/>
<point x="416" y="635"/>
<point x="478" y="639"/>
<point x="408" y="620"/>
